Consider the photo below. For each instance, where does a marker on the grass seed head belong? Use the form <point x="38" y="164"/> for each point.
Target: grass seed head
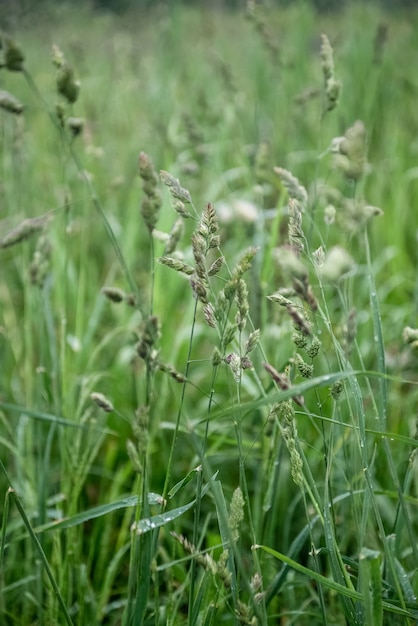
<point x="350" y="152"/>
<point x="295" y="231"/>
<point x="336" y="389"/>
<point x="410" y="335"/>
<point x="337" y="264"/>
<point x="305" y="369"/>
<point x="236" y="514"/>
<point x="67" y="85"/>
<point x="289" y="432"/>
<point x="252" y="341"/>
<point x="216" y="266"/>
<point x="242" y="305"/>
<point x="314" y="347"/>
<point x="114" y="294"/>
<point x="75" y="125"/>
<point x="234" y="362"/>
<point x="216" y="358"/>
<point x="177" y="265"/>
<point x="294" y="188"/>
<point x="172" y="372"/>
<point x="151" y="202"/>
<point x="10" y="103"/>
<point x="102" y="401"/>
<point x="13" y="55"/>
<point x="209" y="315"/>
<point x="332" y="86"/>
<point x="177" y="192"/>
<point x="24" y="230"/>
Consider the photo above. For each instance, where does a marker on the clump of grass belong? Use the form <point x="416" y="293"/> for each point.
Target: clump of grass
<point x="199" y="418"/>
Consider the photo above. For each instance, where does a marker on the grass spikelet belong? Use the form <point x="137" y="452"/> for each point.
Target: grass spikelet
<point x="67" y="86"/>
<point x="75" y="125"/>
<point x="289" y="432"/>
<point x="410" y="336"/>
<point x="337" y="389"/>
<point x="300" y="340"/>
<point x="236" y="514"/>
<point x="314" y="347"/>
<point x="234" y="362"/>
<point x="304" y="290"/>
<point x="337" y="263"/>
<point x="282" y="380"/>
<point x="294" y="188"/>
<point x="332" y="86"/>
<point x="199" y="288"/>
<point x="318" y="256"/>
<point x="199" y="254"/>
<point x="216" y="358"/>
<point x="177" y="265"/>
<point x="13" y="55"/>
<point x="177" y="192"/>
<point x="102" y="401"/>
<point x="295" y="232"/>
<point x="209" y="315"/>
<point x="243" y="307"/>
<point x="350" y="152"/>
<point x="172" y="372"/>
<point x="204" y="560"/>
<point x="114" y="294"/>
<point x="26" y="229"/>
<point x="149" y="337"/>
<point x="306" y="370"/>
<point x="299" y="320"/>
<point x="244" y="614"/>
<point x="216" y="266"/>
<point x="252" y="341"/>
<point x="208" y="226"/>
<point x="280" y="299"/>
<point x="10" y="103"/>
<point x="228" y="335"/>
<point x="241" y="267"/>
<point x="151" y="202"/>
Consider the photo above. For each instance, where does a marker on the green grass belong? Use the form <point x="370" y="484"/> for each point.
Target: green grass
<point x="235" y="440"/>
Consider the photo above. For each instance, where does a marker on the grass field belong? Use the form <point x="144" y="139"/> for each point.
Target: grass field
<point x="208" y="312"/>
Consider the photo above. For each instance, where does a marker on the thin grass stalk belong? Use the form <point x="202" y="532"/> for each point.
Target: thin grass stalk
<point x="259" y="609"/>
<point x="378" y="337"/>
<point x="38" y="548"/>
<point x="5" y="518"/>
<point x="180" y="409"/>
<point x="143" y="545"/>
<point x="199" y="484"/>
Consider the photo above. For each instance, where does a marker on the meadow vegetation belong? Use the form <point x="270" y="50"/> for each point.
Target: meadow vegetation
<point x="208" y="312"/>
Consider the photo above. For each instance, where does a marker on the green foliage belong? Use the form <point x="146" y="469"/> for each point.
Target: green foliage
<point x="207" y="323"/>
